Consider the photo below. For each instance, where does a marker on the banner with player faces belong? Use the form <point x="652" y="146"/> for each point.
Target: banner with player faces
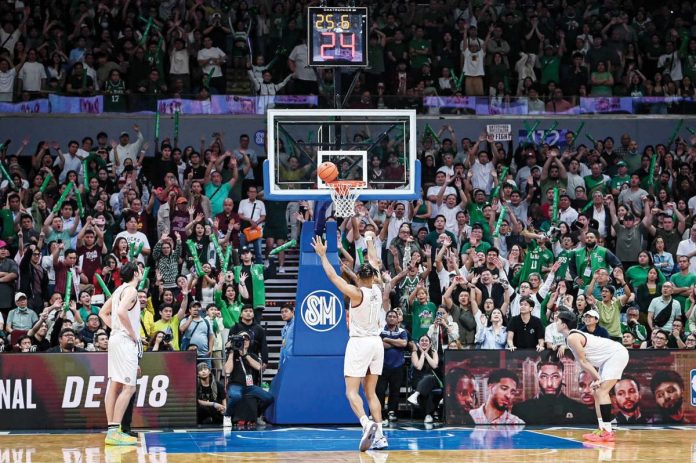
<point x="526" y="387"/>
<point x="66" y="391"/>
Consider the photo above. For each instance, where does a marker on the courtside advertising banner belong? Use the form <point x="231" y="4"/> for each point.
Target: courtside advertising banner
<point x="526" y="387"/>
<point x="66" y="391"/>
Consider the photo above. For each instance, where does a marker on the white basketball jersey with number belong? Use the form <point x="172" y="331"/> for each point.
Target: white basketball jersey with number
<point x="133" y="314"/>
<point x="366" y="319"/>
<point x="599" y="350"/>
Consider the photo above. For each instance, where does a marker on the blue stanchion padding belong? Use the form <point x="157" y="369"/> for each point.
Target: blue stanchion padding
<point x="310" y="390"/>
<point x="320" y="316"/>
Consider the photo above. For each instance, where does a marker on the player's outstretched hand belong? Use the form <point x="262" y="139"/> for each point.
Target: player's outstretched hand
<point x="319" y="246"/>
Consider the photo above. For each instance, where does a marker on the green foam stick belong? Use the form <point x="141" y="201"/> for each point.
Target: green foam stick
<point x="146" y="273"/>
<point x="157" y="125"/>
<point x="208" y="78"/>
<point x="68" y="291"/>
<point x="196" y="260"/>
<point x="226" y="262"/>
<point x="651" y="172"/>
<point x="675" y="132"/>
<point x="45" y="183"/>
<point x="283" y="247"/>
<point x="547" y="132"/>
<point x="136" y="251"/>
<point x="501" y="180"/>
<point x="554" y="210"/>
<point x="102" y="285"/>
<point x="78" y="199"/>
<point x="578" y="130"/>
<point x="63" y="196"/>
<point x="587" y="207"/>
<point x="85" y="173"/>
<point x="591" y="138"/>
<point x="499" y="222"/>
<point x="530" y="131"/>
<point x="361" y="258"/>
<point x="5" y="173"/>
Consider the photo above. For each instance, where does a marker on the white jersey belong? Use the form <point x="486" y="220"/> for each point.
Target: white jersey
<point x="598" y="350"/>
<point x="133" y="314"/>
<point x="367" y="318"/>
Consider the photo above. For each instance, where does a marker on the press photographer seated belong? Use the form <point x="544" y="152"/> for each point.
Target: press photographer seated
<point x="242" y="374"/>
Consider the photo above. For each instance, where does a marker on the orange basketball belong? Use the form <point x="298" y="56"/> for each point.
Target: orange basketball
<point x="327" y="172"/>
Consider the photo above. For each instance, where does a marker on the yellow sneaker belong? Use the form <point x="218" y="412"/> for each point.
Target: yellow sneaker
<point x="116" y="437"/>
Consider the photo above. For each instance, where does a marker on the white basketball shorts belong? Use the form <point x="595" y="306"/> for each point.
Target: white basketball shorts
<point x="363" y="354"/>
<point x="123" y="360"/>
<point x="614" y="367"/>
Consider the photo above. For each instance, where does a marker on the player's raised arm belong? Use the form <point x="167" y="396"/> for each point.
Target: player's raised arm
<point x="351" y="291"/>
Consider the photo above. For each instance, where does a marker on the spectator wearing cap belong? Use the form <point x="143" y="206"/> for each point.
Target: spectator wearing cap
<point x="629" y="236"/>
<point x="609" y="307"/>
<point x="591" y="320"/>
<point x="125" y="149"/>
<point x="9" y="272"/>
<point x="21" y="318"/>
<point x="620" y="179"/>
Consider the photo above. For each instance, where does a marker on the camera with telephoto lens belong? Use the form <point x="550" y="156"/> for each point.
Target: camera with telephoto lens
<point x="236" y="342"/>
<point x="553" y="232"/>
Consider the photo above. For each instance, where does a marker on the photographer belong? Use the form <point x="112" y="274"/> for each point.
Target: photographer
<point x="242" y="373"/>
<point x="160" y="342"/>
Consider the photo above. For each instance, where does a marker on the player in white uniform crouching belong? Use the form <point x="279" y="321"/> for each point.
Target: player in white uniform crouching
<point x="602" y="358"/>
<point x="364" y="353"/>
<point x="125" y="348"/>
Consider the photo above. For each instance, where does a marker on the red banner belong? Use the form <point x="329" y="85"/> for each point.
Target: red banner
<point x="66" y="391"/>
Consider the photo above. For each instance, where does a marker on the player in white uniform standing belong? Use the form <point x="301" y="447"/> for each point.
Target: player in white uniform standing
<point x="602" y="358"/>
<point x="364" y="353"/>
<point x="125" y="349"/>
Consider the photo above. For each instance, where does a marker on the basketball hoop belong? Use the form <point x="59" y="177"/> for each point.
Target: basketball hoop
<point x="344" y="193"/>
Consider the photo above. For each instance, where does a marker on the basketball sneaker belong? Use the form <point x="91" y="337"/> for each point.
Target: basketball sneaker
<point x="116" y="437"/>
<point x="392" y="417"/>
<point x="380" y="443"/>
<point x="599" y="435"/>
<point x="368" y="435"/>
<point x="226" y="421"/>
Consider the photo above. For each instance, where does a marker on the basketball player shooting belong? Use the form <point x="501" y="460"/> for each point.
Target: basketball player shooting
<point x="364" y="353"/>
<point x="605" y="360"/>
<point x="125" y="348"/>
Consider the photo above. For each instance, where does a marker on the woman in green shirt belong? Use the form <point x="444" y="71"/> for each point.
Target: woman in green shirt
<point x="602" y="81"/>
<point x="422" y="311"/>
<point x="228" y="299"/>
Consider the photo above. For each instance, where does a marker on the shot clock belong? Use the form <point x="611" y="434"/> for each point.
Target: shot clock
<point x="337" y="36"/>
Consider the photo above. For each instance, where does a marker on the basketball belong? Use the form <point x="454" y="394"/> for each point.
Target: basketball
<point x="327" y="172"/>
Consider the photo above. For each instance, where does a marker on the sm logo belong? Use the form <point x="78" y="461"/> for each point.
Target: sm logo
<point x="321" y="311"/>
<point x="693" y="388"/>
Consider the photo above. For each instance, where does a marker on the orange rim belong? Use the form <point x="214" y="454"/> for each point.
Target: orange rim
<point x="342" y="187"/>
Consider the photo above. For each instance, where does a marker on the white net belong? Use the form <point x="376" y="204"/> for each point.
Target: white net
<point x="344" y="194"/>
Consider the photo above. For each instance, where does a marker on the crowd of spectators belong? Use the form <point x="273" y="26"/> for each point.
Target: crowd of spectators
<point x="135" y="52"/>
<point x="479" y="261"/>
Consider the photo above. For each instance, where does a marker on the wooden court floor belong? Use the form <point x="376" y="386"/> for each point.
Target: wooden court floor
<point x="446" y="445"/>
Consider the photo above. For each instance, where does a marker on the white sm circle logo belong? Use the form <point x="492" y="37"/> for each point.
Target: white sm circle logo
<point x="321" y="311"/>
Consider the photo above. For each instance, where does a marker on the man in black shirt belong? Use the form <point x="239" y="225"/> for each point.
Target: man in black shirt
<point x="551" y="405"/>
<point x="255" y="332"/>
<point x="242" y="373"/>
<point x="525" y="331"/>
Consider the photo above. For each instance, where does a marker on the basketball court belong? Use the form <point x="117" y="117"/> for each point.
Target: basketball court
<point x="338" y="445"/>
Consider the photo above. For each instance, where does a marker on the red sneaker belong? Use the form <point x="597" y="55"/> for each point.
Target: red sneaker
<point x="599" y="436"/>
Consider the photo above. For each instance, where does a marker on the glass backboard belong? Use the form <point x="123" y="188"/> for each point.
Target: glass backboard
<point x="375" y="146"/>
